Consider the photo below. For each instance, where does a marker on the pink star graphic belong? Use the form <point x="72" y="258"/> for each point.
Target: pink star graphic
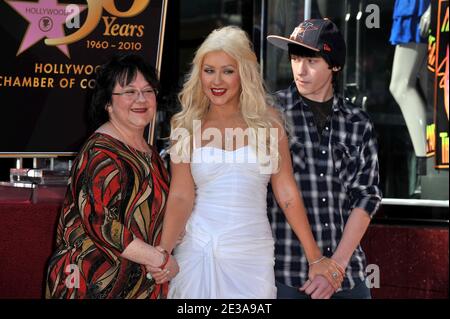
<point x="46" y="18"/>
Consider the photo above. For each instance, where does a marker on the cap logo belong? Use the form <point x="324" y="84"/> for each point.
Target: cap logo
<point x="299" y="32"/>
<point x="326" y="47"/>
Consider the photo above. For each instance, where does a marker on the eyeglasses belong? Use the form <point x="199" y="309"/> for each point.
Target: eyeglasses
<point x="133" y="94"/>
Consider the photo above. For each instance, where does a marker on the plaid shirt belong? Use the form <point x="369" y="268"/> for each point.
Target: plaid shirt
<point x="334" y="175"/>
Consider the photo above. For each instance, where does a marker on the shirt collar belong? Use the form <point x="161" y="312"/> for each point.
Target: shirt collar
<point x="296" y="99"/>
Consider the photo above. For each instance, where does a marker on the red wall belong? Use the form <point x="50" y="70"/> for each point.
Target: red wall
<point x="26" y="238"/>
<point x="413" y="261"/>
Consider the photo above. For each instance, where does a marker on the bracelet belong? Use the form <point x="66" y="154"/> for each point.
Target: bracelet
<point x="317" y="261"/>
<point x="166" y="257"/>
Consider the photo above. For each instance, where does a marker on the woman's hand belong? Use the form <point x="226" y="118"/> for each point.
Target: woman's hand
<point x="163" y="275"/>
<point x="330" y="269"/>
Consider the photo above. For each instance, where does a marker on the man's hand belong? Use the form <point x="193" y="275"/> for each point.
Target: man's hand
<point x="318" y="288"/>
<point x="330" y="269"/>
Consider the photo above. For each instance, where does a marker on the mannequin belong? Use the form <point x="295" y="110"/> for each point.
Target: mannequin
<point x="410" y="27"/>
<point x="408" y="58"/>
<point x="409" y="32"/>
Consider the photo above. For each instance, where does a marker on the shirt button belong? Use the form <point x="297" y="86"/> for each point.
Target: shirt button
<point x="326" y="224"/>
<point x="324" y="152"/>
<point x="321" y="175"/>
<point x="329" y="249"/>
<point x="326" y="128"/>
<point x="324" y="200"/>
<point x="311" y="123"/>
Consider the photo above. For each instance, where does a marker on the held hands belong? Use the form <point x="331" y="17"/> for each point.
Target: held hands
<point x="318" y="288"/>
<point x="329" y="269"/>
<point x="168" y="267"/>
<point x="325" y="277"/>
<point x="166" y="271"/>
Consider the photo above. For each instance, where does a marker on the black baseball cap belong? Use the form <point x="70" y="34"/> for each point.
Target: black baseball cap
<point x="320" y="35"/>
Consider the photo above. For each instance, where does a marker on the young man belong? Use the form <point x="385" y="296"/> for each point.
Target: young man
<point x="334" y="155"/>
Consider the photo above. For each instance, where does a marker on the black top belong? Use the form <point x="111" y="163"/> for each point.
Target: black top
<point x="321" y="112"/>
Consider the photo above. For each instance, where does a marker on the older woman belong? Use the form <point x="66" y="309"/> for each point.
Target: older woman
<point x="111" y="221"/>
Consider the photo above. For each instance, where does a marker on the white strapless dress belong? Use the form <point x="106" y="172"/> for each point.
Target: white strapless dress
<point x="228" y="249"/>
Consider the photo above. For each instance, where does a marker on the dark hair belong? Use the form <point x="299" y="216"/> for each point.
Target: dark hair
<point x="304" y="52"/>
<point x="121" y="69"/>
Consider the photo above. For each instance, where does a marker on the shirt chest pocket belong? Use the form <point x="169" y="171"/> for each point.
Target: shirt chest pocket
<point x="298" y="154"/>
<point x="345" y="161"/>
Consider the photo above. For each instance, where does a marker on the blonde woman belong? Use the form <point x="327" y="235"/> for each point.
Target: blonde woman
<point x="228" y="145"/>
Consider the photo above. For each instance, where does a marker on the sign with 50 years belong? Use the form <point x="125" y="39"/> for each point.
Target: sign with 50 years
<point x="51" y="49"/>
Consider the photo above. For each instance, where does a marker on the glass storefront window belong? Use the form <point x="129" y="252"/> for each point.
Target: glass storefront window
<point x="365" y="80"/>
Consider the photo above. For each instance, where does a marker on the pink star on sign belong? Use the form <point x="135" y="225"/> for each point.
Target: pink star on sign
<point x="46" y="18"/>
